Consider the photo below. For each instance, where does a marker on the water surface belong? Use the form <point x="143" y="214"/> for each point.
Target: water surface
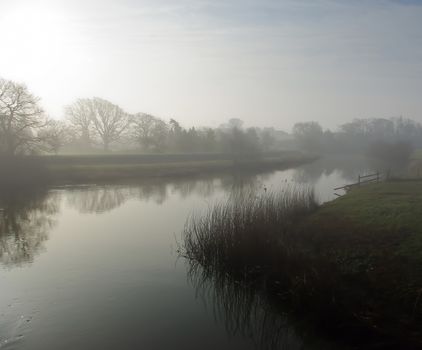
<point x="96" y="267"/>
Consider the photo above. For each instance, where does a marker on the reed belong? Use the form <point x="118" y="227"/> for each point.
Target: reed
<point x="245" y="232"/>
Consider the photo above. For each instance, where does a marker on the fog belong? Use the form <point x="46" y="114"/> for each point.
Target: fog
<point x="269" y="63"/>
<point x="199" y="174"/>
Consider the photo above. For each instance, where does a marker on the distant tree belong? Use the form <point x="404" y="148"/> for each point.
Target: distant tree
<point x="408" y="130"/>
<point x="176" y="135"/>
<point x="98" y="119"/>
<point x="79" y="116"/>
<point x="392" y="152"/>
<point x="175" y="126"/>
<point x="150" y="132"/>
<point x="189" y="140"/>
<point x="240" y="143"/>
<point x="143" y="125"/>
<point x="309" y="135"/>
<point x="209" y="140"/>
<point x="235" y="140"/>
<point x="109" y="121"/>
<point x="55" y="135"/>
<point x="251" y="141"/>
<point x="361" y="134"/>
<point x="268" y="140"/>
<point x="21" y="119"/>
<point x="235" y="123"/>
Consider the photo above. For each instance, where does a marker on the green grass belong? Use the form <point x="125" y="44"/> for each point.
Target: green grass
<point x="369" y="213"/>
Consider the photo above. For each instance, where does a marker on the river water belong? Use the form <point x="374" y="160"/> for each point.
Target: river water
<point x="96" y="267"/>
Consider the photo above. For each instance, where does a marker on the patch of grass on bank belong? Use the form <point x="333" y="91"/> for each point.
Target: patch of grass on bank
<point x="388" y="213"/>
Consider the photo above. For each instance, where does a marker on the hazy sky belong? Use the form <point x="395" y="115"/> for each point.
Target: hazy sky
<point x="268" y="62"/>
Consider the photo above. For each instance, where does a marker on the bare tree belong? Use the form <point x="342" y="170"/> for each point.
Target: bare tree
<point x="79" y="116"/>
<point x="309" y="135"/>
<point x="109" y="121"/>
<point x="98" y="119"/>
<point x="21" y="119"/>
<point x="55" y="135"/>
<point x="150" y="132"/>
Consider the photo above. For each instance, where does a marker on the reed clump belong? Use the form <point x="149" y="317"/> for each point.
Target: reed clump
<point x="244" y="233"/>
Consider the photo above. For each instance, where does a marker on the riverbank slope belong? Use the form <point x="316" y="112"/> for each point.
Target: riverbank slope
<point x="373" y="236"/>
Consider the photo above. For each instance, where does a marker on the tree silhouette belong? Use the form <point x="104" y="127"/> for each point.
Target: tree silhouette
<point x="21" y="119"/>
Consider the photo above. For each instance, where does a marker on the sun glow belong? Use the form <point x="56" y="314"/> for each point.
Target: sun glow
<point x="42" y="48"/>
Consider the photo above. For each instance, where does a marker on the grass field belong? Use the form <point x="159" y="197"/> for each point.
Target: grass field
<point x="393" y="207"/>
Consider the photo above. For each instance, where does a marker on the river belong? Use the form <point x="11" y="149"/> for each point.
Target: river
<point x="96" y="267"/>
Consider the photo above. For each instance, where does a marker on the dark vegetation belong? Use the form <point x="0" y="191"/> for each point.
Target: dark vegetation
<point x="241" y="233"/>
<point x="392" y="140"/>
<point x="350" y="269"/>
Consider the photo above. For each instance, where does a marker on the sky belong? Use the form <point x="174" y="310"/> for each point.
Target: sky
<point x="202" y="62"/>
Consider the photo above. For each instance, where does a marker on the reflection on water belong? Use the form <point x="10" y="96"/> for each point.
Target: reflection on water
<point x="97" y="266"/>
<point x="251" y="312"/>
<point x="101" y="199"/>
<point x="25" y="222"/>
<point x="325" y="175"/>
<point x="243" y="311"/>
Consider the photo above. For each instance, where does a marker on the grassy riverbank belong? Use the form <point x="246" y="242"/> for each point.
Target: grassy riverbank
<point x="369" y="213"/>
<point x="352" y="268"/>
<point x="62" y="170"/>
<point x="374" y="236"/>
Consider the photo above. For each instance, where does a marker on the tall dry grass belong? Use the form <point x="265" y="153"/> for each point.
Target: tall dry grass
<point x="244" y="232"/>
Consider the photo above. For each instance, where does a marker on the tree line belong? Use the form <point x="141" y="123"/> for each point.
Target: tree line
<point x="391" y="139"/>
<point x="97" y="125"/>
<point x="94" y="124"/>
